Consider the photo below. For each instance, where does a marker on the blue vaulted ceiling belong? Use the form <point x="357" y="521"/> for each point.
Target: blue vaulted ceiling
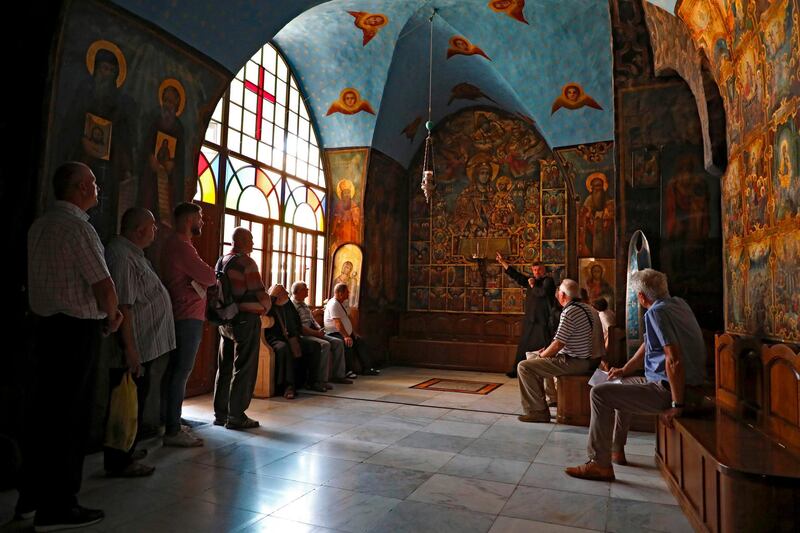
<point x="563" y="41"/>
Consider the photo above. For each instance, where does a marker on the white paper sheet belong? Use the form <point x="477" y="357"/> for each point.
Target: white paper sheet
<point x="601" y="377"/>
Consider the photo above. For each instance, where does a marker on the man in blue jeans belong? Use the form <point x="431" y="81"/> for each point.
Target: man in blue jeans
<point x="186" y="277"/>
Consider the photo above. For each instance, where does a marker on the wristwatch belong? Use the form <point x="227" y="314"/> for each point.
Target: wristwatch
<point x="676" y="405"/>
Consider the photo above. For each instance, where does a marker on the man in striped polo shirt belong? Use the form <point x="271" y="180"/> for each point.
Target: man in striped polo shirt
<point x="571" y="352"/>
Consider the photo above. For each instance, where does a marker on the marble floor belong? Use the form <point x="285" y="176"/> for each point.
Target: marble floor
<point x="377" y="456"/>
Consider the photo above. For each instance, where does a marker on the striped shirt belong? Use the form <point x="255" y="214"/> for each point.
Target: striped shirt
<point x="138" y="286"/>
<point x="306" y="317"/>
<point x="246" y="284"/>
<point x="65" y="258"/>
<point x="575" y="330"/>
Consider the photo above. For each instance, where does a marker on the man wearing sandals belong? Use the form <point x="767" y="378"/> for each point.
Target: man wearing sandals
<point x="240" y="340"/>
<point x="147" y="330"/>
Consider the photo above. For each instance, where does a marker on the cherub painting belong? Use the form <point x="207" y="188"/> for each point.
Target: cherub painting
<point x="513" y="8"/>
<point x="459" y="45"/>
<point x="349" y="103"/>
<point x="369" y="24"/>
<point x="573" y="97"/>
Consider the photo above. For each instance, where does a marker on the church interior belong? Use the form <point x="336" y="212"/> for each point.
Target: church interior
<point x="398" y="148"/>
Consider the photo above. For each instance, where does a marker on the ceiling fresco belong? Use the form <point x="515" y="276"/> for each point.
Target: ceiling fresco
<point x="521" y="55"/>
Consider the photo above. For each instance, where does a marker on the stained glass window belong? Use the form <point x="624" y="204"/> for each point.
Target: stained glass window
<point x="261" y="150"/>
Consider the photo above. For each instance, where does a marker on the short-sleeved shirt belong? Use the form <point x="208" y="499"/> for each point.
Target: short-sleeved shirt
<point x="575" y="330"/>
<point x="180" y="265"/>
<point x="336" y="309"/>
<point x="306" y="316"/>
<point x="670" y="321"/>
<point x="138" y="286"/>
<point x="65" y="258"/>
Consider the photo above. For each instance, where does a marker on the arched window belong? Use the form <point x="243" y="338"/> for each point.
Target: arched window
<point x="261" y="154"/>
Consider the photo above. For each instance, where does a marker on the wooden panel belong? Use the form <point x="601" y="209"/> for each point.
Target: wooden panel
<point x="485" y="357"/>
<point x="265" y="380"/>
<point x="782" y="412"/>
<point x="726" y="371"/>
<point x="692" y="470"/>
<point x="573" y="400"/>
<point x="710" y="493"/>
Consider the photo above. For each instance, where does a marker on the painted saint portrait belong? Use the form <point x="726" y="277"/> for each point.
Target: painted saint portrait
<point x="733" y="213"/>
<point x="513" y="8"/>
<point x="785" y="182"/>
<point x="573" y="97"/>
<point x="97" y="136"/>
<point x="777" y="29"/>
<point x="787" y="286"/>
<point x="460" y="45"/>
<point x="350" y="103"/>
<point x="437" y="301"/>
<point x="756" y="186"/>
<point x="597" y="277"/>
<point x="347" y="269"/>
<point x="750" y="83"/>
<point x="347" y="172"/>
<point x="456" y="298"/>
<point x="513" y="300"/>
<point x="596" y="218"/>
<point x="369" y="24"/>
<point x="759" y="287"/>
<point x="735" y="295"/>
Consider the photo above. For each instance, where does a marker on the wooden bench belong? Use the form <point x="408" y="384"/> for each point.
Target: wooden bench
<point x="738" y="468"/>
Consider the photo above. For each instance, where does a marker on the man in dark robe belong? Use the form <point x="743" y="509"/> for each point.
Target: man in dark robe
<point x="540" y="291"/>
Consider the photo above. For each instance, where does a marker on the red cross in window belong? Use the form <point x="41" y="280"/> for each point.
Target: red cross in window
<point x="262" y="95"/>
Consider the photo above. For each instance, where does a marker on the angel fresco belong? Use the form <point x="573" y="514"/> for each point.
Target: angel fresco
<point x="573" y="97"/>
<point x="513" y="8"/>
<point x="369" y="24"/>
<point x="349" y="103"/>
<point x="459" y="45"/>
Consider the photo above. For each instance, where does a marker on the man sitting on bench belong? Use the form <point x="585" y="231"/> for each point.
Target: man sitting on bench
<point x="674" y="355"/>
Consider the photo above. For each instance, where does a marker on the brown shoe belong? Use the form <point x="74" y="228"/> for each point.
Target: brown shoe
<point x="591" y="470"/>
<point x="543" y="417"/>
<point x="618" y="458"/>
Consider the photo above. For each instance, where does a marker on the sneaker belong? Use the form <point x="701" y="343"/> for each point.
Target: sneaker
<point x="183" y="439"/>
<point x="543" y="417"/>
<point x="351" y="375"/>
<point x="618" y="458"/>
<point x="591" y="470"/>
<point x="72" y="518"/>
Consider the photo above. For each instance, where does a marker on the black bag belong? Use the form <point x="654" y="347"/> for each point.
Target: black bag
<point x="221" y="308"/>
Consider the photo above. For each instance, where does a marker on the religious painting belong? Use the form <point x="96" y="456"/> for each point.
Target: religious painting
<point x="456" y="297"/>
<point x="733" y="211"/>
<point x="513" y="300"/>
<point x="596" y="276"/>
<point x="573" y="97"/>
<point x="735" y="293"/>
<point x="513" y="8"/>
<point x="489" y="201"/>
<point x="776" y="32"/>
<point x="350" y="103"/>
<point x="645" y="167"/>
<point x="786" y="277"/>
<point x="419" y="276"/>
<point x="687" y="206"/>
<point x="743" y="20"/>
<point x="97" y="136"/>
<point x="756" y="186"/>
<point x="347" y="174"/>
<point x="551" y="176"/>
<point x="460" y="45"/>
<point x="110" y="68"/>
<point x="557" y="272"/>
<point x="759" y="287"/>
<point x="418" y="299"/>
<point x="705" y="23"/>
<point x="369" y="24"/>
<point x="596" y="218"/>
<point x="347" y="269"/>
<point x="785" y="171"/>
<point x="750" y="82"/>
<point x="733" y="110"/>
<point x="554" y="252"/>
<point x="437" y="301"/>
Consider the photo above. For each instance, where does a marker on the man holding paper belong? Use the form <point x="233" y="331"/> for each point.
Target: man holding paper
<point x="673" y="354"/>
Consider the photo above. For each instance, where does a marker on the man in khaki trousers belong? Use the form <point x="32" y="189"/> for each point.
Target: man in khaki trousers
<point x="574" y="350"/>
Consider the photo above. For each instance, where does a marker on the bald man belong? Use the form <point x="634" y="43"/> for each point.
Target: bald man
<point x="239" y="343"/>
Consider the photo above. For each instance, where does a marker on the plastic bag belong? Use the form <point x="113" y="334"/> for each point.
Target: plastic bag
<point x="122" y="415"/>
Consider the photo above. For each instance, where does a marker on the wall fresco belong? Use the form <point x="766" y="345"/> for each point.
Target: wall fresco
<point x="347" y="172"/>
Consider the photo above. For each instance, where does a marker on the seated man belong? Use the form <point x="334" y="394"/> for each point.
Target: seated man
<point x="337" y="324"/>
<point x="331" y="348"/>
<point x="674" y="361"/>
<point x="607" y="318"/>
<point x="574" y="350"/>
<point x="290" y="351"/>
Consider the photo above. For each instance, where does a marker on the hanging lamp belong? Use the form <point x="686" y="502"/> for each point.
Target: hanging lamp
<point x="428" y="180"/>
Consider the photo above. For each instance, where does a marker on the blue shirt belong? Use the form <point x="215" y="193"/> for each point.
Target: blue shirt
<point x="670" y="321"/>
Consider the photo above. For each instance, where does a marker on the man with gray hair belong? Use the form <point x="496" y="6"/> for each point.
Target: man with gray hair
<point x="331" y="348"/>
<point x="673" y="353"/>
<point x="573" y="351"/>
<point x="338" y="324"/>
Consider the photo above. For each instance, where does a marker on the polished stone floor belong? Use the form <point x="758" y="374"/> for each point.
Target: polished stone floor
<point x="377" y="456"/>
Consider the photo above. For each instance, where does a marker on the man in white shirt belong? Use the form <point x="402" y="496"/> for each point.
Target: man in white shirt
<point x="337" y="324"/>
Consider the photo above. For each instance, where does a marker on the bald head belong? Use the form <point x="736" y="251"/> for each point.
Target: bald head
<point x="74" y="182"/>
<point x="138" y="225"/>
<point x="243" y="240"/>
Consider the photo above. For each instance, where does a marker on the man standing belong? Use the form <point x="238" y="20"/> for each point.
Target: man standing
<point x="186" y="277"/>
<point x="331" y="348"/>
<point x="72" y="294"/>
<point x="576" y="349"/>
<point x="240" y="340"/>
<point x="674" y="366"/>
<point x="539" y="302"/>
<point x="147" y="331"/>
<point x="337" y="324"/>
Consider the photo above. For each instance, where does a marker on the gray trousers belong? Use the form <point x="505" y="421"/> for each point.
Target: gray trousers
<point x="531" y="374"/>
<point x="331" y="355"/>
<point x="238" y="367"/>
<point x="612" y="406"/>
